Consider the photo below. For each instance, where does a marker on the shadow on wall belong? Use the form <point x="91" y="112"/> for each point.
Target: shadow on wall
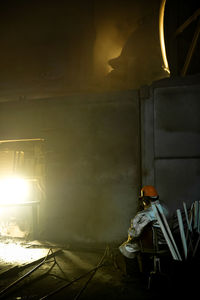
<point x="140" y="61"/>
<point x="66" y="47"/>
<point x="127" y="50"/>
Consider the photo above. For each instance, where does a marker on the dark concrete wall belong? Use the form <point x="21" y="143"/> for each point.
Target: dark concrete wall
<point x="46" y="45"/>
<point x="92" y="161"/>
<point x="171" y="142"/>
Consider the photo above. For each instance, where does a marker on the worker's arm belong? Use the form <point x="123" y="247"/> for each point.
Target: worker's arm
<point x="137" y="225"/>
<point x="131" y="231"/>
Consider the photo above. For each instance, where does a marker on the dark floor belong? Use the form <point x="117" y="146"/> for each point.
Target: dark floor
<point x="109" y="282"/>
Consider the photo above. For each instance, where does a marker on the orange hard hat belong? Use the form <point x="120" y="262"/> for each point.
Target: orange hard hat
<point x="149" y="191"/>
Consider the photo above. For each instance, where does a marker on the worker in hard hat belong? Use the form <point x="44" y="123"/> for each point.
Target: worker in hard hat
<point x="148" y="196"/>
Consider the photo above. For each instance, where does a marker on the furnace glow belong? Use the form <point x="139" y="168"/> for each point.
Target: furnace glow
<point x="16" y="253"/>
<point x="14" y="190"/>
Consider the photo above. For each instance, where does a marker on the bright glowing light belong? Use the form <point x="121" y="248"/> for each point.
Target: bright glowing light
<point x="15" y="253"/>
<point x="162" y="38"/>
<point x="13" y="190"/>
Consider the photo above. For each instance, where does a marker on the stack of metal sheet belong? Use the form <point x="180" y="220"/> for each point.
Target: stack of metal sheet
<point x="189" y="229"/>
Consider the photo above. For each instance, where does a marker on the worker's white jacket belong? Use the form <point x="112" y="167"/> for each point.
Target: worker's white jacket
<point x="138" y="223"/>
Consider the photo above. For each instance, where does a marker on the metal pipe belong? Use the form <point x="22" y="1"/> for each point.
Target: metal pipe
<point x="166" y="232"/>
<point x="69" y="283"/>
<point x="169" y="232"/>
<point x="21" y="140"/>
<point x="196" y="214"/>
<point x="100" y="264"/>
<point x="90" y="278"/>
<point x="191" y="50"/>
<point x="162" y="38"/>
<point x="196" y="246"/>
<point x="187" y="22"/>
<point x="191" y="214"/>
<point x="186" y="216"/>
<point x="182" y="232"/>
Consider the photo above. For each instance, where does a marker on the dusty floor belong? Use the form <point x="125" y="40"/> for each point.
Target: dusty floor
<point x="109" y="281"/>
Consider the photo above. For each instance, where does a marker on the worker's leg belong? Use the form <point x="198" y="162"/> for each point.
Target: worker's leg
<point x="120" y="263"/>
<point x="132" y="266"/>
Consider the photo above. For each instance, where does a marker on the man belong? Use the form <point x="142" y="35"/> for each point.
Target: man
<point x="148" y="196"/>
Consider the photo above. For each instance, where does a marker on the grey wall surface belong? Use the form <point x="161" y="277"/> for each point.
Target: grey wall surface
<point x="92" y="150"/>
<point x="171" y="143"/>
<point x="92" y="161"/>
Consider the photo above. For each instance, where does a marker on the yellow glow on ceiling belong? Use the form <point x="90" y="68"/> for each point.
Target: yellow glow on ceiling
<point x="162" y="38"/>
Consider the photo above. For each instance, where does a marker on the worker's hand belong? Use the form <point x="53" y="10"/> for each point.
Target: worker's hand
<point x="129" y="238"/>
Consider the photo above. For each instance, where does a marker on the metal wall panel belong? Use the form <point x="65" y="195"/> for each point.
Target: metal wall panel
<point x="177" y="181"/>
<point x="170" y="142"/>
<point x="177" y="121"/>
